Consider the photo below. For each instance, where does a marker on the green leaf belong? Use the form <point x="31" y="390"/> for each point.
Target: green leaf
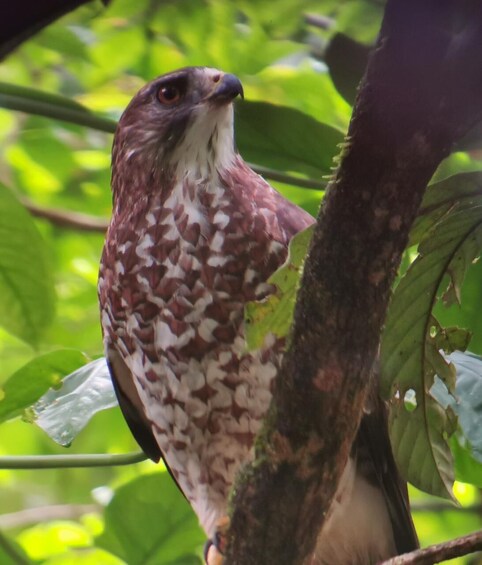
<point x="109" y="52"/>
<point x="467" y="468"/>
<point x="53" y="538"/>
<point x="457" y="192"/>
<point x="84" y="556"/>
<point x="11" y="553"/>
<point x="420" y="447"/>
<point x="30" y="382"/>
<point x="274" y="314"/>
<point x="64" y="412"/>
<point x="64" y="40"/>
<point x="37" y="102"/>
<point x="285" y="139"/>
<point x="26" y="287"/>
<point x="410" y="357"/>
<point x="346" y="60"/>
<point x="25" y="93"/>
<point x="148" y="522"/>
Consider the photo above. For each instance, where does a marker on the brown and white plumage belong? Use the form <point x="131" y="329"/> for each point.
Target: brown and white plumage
<point x="194" y="235"/>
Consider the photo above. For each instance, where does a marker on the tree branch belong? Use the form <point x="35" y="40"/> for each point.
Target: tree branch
<point x="38" y="514"/>
<point x="421" y="92"/>
<point x="440" y="552"/>
<point x="24" y="18"/>
<point x="66" y="218"/>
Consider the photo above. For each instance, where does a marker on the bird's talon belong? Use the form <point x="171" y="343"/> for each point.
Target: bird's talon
<point x="215" y="548"/>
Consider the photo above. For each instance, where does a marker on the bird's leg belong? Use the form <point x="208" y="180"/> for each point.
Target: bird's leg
<point x="215" y="547"/>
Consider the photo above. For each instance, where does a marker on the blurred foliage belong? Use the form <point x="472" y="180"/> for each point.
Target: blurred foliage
<point x="97" y="57"/>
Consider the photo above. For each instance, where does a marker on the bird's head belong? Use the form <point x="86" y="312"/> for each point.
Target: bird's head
<point x="181" y="122"/>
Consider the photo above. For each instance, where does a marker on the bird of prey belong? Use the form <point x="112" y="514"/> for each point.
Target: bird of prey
<point x="195" y="234"/>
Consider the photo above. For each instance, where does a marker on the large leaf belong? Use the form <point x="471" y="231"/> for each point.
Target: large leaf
<point x="274" y="314"/>
<point x="26" y="284"/>
<point x="64" y="412"/>
<point x="30" y="382"/>
<point x="285" y="139"/>
<point x="148" y="522"/>
<point x="410" y="355"/>
<point x="458" y="192"/>
<point x="346" y="60"/>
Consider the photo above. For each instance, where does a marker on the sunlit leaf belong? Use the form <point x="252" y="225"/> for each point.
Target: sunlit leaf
<point x="84" y="556"/>
<point x="64" y="40"/>
<point x="109" y="51"/>
<point x="283" y="84"/>
<point x="467" y="468"/>
<point x="45" y="540"/>
<point x="360" y="20"/>
<point x="26" y="285"/>
<point x="63" y="412"/>
<point x="274" y="314"/>
<point x="34" y="379"/>
<point x="149" y="522"/>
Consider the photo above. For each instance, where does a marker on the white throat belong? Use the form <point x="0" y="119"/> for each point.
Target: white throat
<point x="208" y="145"/>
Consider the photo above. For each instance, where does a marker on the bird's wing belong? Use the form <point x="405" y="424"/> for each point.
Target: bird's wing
<point x="133" y="409"/>
<point x="374" y="441"/>
<point x="131" y="405"/>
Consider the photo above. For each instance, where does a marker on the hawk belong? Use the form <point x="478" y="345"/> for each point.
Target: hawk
<point x="195" y="234"/>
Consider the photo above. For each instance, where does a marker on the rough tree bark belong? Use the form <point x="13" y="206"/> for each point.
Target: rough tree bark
<point x="421" y="92"/>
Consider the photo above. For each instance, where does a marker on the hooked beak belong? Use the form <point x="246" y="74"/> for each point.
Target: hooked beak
<point x="226" y="90"/>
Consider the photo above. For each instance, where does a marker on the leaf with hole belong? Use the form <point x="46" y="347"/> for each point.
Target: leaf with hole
<point x="410" y="358"/>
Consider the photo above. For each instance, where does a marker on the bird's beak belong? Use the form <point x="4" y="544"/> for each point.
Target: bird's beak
<point x="228" y="87"/>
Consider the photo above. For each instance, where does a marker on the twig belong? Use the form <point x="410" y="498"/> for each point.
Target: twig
<point x="440" y="551"/>
<point x="271" y="174"/>
<point x="445" y="507"/>
<point x="319" y="21"/>
<point x="45" y="514"/>
<point x="66" y="218"/>
<point x="70" y="461"/>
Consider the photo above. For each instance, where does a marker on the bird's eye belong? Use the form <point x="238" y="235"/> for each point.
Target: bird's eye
<point x="169" y="94"/>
